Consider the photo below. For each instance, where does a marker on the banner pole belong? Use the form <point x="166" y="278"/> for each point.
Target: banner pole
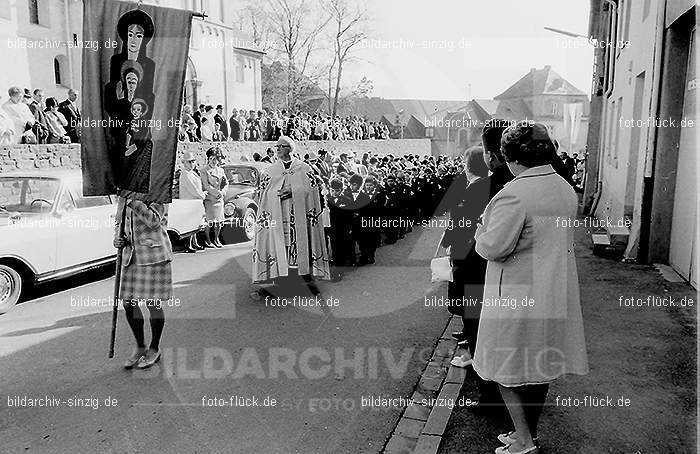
<point x="117" y="285"/>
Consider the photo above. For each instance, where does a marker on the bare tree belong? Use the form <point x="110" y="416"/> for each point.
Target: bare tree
<point x="253" y="19"/>
<point x="295" y="26"/>
<point x="347" y="32"/>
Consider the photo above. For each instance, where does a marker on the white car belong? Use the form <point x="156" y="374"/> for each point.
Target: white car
<point x="49" y="230"/>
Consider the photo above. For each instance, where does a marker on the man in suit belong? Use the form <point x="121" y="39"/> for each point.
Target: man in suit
<point x="359" y="201"/>
<point x="234" y="126"/>
<point x="220" y="119"/>
<point x="69" y="108"/>
<point x="370" y="212"/>
<point x="198" y="119"/>
<point x="340" y="210"/>
<point x="36" y="106"/>
<point x="469" y="268"/>
<point x="343" y="165"/>
<point x="323" y="165"/>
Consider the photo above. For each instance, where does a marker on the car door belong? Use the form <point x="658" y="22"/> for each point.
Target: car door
<point x="87" y="228"/>
<point x="30" y="237"/>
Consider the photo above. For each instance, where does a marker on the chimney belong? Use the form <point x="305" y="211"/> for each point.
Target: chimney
<point x="547" y="67"/>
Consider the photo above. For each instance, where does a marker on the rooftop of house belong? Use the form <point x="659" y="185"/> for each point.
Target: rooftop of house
<point x="537" y="82"/>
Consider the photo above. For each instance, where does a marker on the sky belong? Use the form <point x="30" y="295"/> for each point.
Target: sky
<point x="459" y="49"/>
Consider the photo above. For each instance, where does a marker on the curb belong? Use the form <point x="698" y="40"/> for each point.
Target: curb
<point x="422" y="426"/>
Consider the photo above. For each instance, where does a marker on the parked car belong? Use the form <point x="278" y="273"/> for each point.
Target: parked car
<point x="241" y="199"/>
<point x="50" y="230"/>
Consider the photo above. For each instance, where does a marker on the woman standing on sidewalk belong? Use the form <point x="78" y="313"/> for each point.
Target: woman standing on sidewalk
<point x="531" y="329"/>
<point x="146" y="276"/>
<point x="214" y="184"/>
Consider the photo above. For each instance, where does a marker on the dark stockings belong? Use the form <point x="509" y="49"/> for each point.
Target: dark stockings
<point x="134" y="316"/>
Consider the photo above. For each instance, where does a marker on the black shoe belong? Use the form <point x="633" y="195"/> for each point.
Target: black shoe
<point x="189" y="250"/>
<point x="313" y="289"/>
<point x="209" y="245"/>
<point x="459" y="335"/>
<point x="371" y="261"/>
<point x="198" y="247"/>
<point x="218" y="245"/>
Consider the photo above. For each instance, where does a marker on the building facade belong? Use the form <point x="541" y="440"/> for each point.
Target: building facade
<point x="541" y="95"/>
<point x="642" y="166"/>
<point x="42" y="39"/>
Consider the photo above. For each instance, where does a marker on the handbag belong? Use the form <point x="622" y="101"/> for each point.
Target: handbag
<point x="440" y="266"/>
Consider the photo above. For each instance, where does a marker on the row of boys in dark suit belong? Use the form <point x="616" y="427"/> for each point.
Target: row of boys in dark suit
<point x="359" y="210"/>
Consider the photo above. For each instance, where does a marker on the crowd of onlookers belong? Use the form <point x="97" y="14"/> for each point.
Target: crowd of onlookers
<point x="575" y="166"/>
<point x="354" y="188"/>
<point x="28" y="117"/>
<point x="209" y="124"/>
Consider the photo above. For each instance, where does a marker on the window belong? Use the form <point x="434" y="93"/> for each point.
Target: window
<point x="57" y="71"/>
<point x="554" y="108"/>
<point x="80" y="201"/>
<point x="609" y="55"/>
<point x="60" y="70"/>
<point x="33" y="11"/>
<point x="618" y="118"/>
<point x="628" y="13"/>
<point x="28" y="195"/>
<point x="609" y="114"/>
<point x="93" y="201"/>
<point x="240" y="69"/>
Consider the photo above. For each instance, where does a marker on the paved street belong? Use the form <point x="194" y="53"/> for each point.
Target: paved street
<point x="220" y="347"/>
<point x="640" y="396"/>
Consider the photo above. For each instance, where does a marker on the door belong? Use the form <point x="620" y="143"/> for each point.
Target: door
<point x="683" y="255"/>
<point x="86" y="229"/>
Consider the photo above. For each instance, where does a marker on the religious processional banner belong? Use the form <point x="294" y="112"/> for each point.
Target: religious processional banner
<point x="132" y="85"/>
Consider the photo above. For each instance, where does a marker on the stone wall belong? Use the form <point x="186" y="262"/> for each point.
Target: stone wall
<point x="27" y="157"/>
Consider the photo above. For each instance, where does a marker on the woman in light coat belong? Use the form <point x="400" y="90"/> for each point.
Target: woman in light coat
<point x="531" y="329"/>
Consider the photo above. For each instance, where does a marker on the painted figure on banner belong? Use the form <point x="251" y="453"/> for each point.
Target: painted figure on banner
<point x="128" y="99"/>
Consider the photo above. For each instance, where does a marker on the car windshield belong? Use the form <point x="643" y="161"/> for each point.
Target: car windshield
<point x="241" y="175"/>
<point x="27" y="194"/>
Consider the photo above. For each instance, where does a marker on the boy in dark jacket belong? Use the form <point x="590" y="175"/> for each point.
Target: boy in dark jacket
<point x="340" y="210"/>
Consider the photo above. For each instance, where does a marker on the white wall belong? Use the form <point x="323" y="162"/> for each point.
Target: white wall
<point x="28" y="67"/>
<point x="622" y="168"/>
<point x="33" y="68"/>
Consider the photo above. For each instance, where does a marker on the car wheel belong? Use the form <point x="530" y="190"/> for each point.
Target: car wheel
<point x="10" y="288"/>
<point x="249" y="224"/>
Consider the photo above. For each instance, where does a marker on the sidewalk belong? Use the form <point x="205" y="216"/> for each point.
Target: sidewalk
<point x="642" y="358"/>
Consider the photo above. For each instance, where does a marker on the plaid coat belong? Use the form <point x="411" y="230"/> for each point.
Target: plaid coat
<point x="145" y="229"/>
